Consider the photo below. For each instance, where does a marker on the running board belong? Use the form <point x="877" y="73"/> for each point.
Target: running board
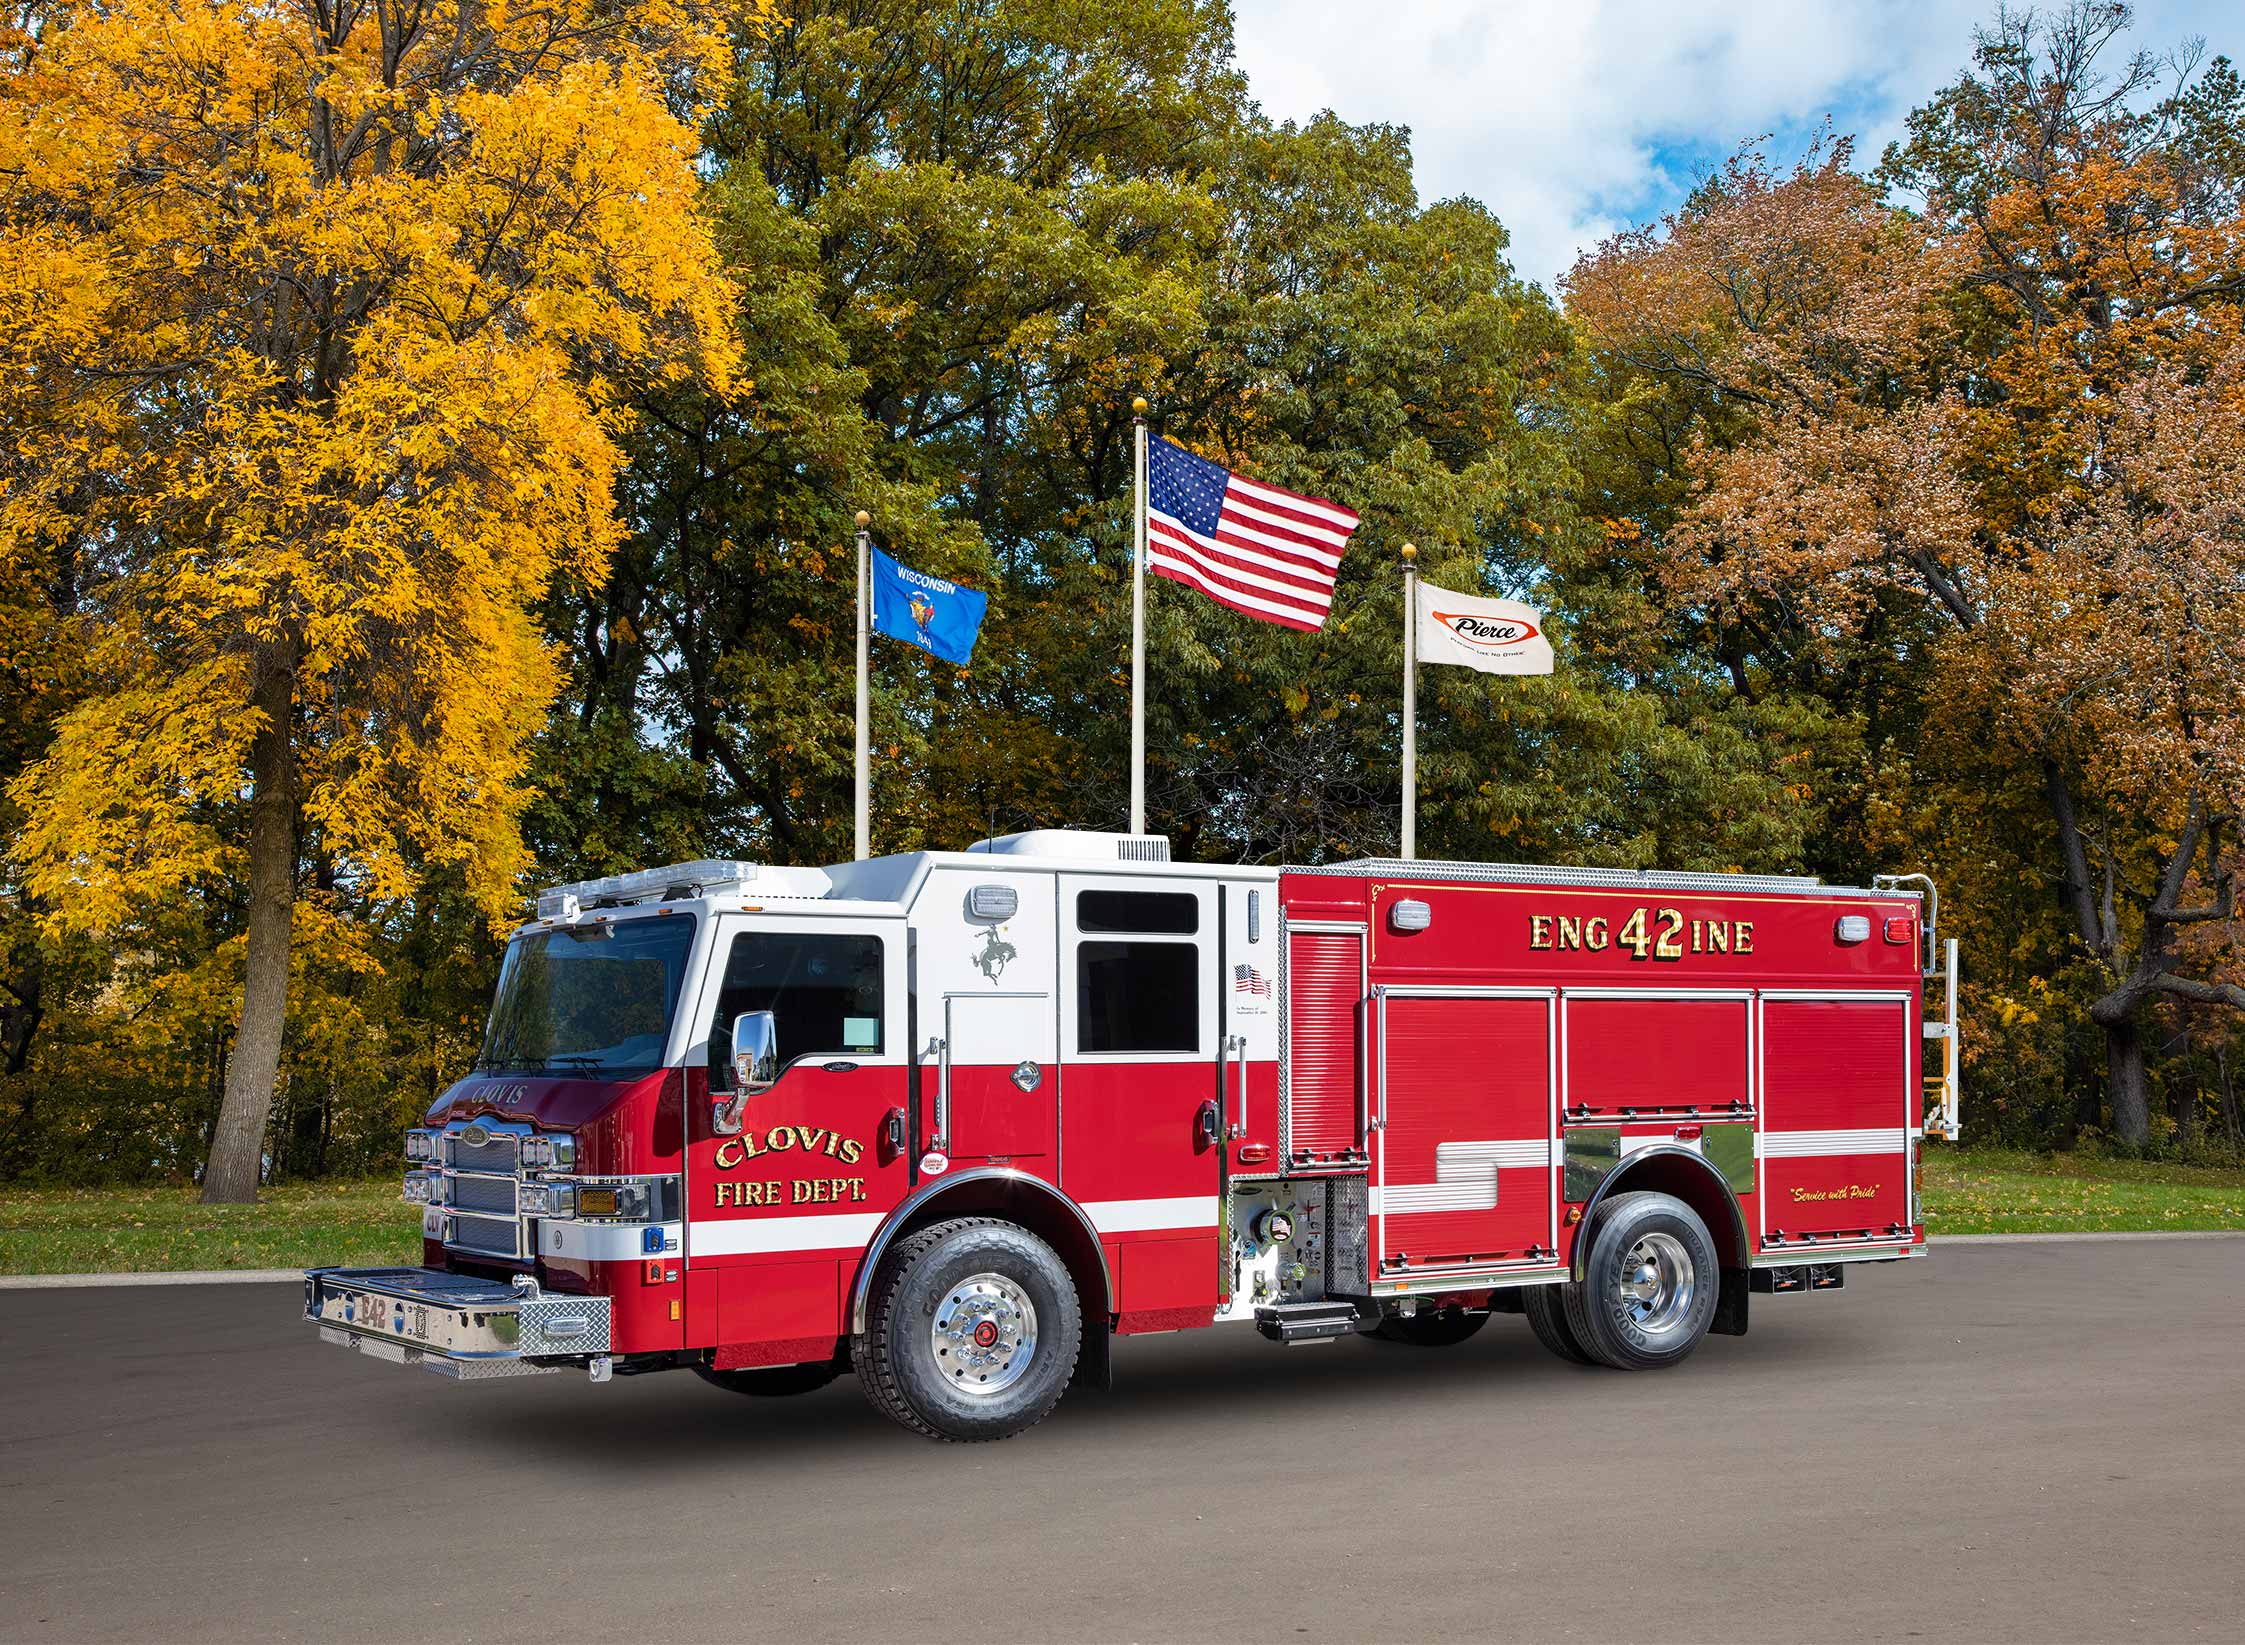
<point x="1310" y="1321"/>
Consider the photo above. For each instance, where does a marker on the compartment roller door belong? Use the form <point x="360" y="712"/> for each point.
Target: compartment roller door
<point x="1836" y="1079"/>
<point x="1467" y="1104"/>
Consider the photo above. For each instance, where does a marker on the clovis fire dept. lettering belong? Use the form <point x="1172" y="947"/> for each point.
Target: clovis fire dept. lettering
<point x="774" y="1123"/>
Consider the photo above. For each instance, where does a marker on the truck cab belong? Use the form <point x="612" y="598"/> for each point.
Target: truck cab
<point x="713" y="1095"/>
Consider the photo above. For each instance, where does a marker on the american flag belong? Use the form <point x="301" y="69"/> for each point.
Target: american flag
<point x="1247" y="980"/>
<point x="1269" y="553"/>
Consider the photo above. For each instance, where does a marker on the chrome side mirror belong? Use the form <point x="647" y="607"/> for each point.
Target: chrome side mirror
<point x="756" y="1067"/>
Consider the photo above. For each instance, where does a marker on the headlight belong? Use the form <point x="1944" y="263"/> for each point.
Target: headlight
<point x="548" y="1199"/>
<point x="439" y="1187"/>
<point x="420" y="1145"/>
<point x="416" y="1191"/>
<point x="544" y="1152"/>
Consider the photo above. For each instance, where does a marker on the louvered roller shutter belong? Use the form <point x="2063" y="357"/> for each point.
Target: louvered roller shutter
<point x="1324" y="983"/>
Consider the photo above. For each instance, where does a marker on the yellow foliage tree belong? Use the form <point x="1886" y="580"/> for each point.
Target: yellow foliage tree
<point x="317" y="325"/>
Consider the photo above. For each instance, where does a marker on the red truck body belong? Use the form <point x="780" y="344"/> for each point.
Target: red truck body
<point x="1324" y="1101"/>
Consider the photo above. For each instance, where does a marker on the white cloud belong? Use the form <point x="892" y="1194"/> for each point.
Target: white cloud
<point x="1569" y="120"/>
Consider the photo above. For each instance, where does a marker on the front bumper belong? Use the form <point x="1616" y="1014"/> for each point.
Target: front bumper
<point x="457" y="1325"/>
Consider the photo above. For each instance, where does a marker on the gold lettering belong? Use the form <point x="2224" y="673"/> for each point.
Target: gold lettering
<point x="852" y="1150"/>
<point x="1745" y="931"/>
<point x="1718" y="937"/>
<point x="1570" y="931"/>
<point x="1699" y="935"/>
<point x="1668" y="948"/>
<point x="780" y="1138"/>
<point x="1633" y="933"/>
<point x="1594" y="932"/>
<point x="1539" y="930"/>
<point x="728" y="1153"/>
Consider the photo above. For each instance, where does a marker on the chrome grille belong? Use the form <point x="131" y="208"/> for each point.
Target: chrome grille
<point x="484" y="1194"/>
<point x="502" y="1152"/>
<point x="494" y="1236"/>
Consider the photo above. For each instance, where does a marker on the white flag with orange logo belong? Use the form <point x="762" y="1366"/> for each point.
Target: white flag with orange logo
<point x="1495" y="636"/>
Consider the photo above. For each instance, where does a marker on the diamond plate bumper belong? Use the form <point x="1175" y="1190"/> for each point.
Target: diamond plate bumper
<point x="456" y="1325"/>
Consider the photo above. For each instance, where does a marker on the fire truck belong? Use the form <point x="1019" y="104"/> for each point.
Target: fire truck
<point x="955" y="1121"/>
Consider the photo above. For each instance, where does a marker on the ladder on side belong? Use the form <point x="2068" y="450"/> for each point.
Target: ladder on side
<point x="1944" y="1074"/>
<point x="1943" y="1087"/>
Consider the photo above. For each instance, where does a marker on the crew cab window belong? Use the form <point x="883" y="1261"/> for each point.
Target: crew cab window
<point x="1174" y="913"/>
<point x="822" y="988"/>
<point x="1137" y="996"/>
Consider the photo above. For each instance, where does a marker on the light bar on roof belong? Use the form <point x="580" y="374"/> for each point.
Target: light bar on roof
<point x="703" y="877"/>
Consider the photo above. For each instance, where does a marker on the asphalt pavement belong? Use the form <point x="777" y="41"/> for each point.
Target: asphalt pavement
<point x="2002" y="1442"/>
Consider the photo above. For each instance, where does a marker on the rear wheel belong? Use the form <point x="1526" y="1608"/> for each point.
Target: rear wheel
<point x="1546" y="1308"/>
<point x="1649" y="1285"/>
<point x="973" y="1331"/>
<point x="771" y="1381"/>
<point x="1429" y="1327"/>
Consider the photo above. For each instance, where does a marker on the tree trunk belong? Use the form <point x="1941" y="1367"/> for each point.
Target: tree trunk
<point x="237" y="1147"/>
<point x="2124" y="1082"/>
<point x="2229" y="1097"/>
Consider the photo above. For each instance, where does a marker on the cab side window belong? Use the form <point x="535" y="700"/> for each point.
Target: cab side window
<point x="822" y="988"/>
<point x="1137" y="992"/>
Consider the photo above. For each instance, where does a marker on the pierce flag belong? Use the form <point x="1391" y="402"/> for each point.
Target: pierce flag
<point x="1494" y="636"/>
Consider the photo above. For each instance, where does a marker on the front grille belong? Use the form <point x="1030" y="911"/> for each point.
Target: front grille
<point x="493" y="1236"/>
<point x="484" y="1194"/>
<point x="502" y="1152"/>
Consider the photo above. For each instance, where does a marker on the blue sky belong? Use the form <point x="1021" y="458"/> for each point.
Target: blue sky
<point x="1570" y="120"/>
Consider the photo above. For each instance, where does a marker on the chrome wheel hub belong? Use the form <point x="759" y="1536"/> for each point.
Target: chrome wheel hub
<point x="984" y="1335"/>
<point x="1658" y="1282"/>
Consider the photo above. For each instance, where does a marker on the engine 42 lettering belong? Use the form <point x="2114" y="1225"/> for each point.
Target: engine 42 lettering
<point x="1645" y="933"/>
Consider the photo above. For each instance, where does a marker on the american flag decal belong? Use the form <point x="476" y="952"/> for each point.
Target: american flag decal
<point x="1269" y="553"/>
<point x="1247" y="980"/>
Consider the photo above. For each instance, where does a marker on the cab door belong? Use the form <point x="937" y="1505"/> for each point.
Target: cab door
<point x="989" y="1084"/>
<point x="779" y="1211"/>
<point x="1142" y="1115"/>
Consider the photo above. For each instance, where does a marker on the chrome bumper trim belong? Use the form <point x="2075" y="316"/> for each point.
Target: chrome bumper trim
<point x="456" y="1325"/>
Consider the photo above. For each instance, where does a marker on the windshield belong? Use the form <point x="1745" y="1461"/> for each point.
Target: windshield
<point x="588" y="998"/>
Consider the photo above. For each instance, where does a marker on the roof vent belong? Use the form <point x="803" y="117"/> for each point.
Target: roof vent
<point x="1078" y="844"/>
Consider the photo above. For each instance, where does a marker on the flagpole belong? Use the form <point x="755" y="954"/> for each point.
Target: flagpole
<point x="1410" y="703"/>
<point x="864" y="714"/>
<point x="1138" y="625"/>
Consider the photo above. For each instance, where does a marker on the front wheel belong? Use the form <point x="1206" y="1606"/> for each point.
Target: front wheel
<point x="1649" y="1286"/>
<point x="973" y="1333"/>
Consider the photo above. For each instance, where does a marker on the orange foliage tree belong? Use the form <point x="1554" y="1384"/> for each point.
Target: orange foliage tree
<point x="2018" y="413"/>
<point x="317" y="323"/>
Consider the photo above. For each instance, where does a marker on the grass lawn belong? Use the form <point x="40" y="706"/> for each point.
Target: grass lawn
<point x="1989" y="1191"/>
<point x="63" y="1231"/>
<point x="118" y="1230"/>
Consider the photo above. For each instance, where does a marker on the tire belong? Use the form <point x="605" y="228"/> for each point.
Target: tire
<point x="773" y="1381"/>
<point x="1429" y="1328"/>
<point x="1546" y="1309"/>
<point x="973" y="1331"/>
<point x="1649" y="1286"/>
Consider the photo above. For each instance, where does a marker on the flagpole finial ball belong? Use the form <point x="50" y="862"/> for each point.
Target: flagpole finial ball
<point x="1138" y="406"/>
<point x="863" y="519"/>
<point x="1409" y="553"/>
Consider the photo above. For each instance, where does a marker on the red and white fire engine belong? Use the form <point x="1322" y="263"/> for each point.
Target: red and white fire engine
<point x="955" y="1120"/>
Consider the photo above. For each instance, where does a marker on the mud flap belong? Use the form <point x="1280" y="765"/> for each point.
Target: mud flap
<point x="1730" y="1305"/>
<point x="1095" y="1361"/>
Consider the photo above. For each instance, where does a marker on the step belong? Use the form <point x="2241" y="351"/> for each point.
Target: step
<point x="1308" y="1321"/>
